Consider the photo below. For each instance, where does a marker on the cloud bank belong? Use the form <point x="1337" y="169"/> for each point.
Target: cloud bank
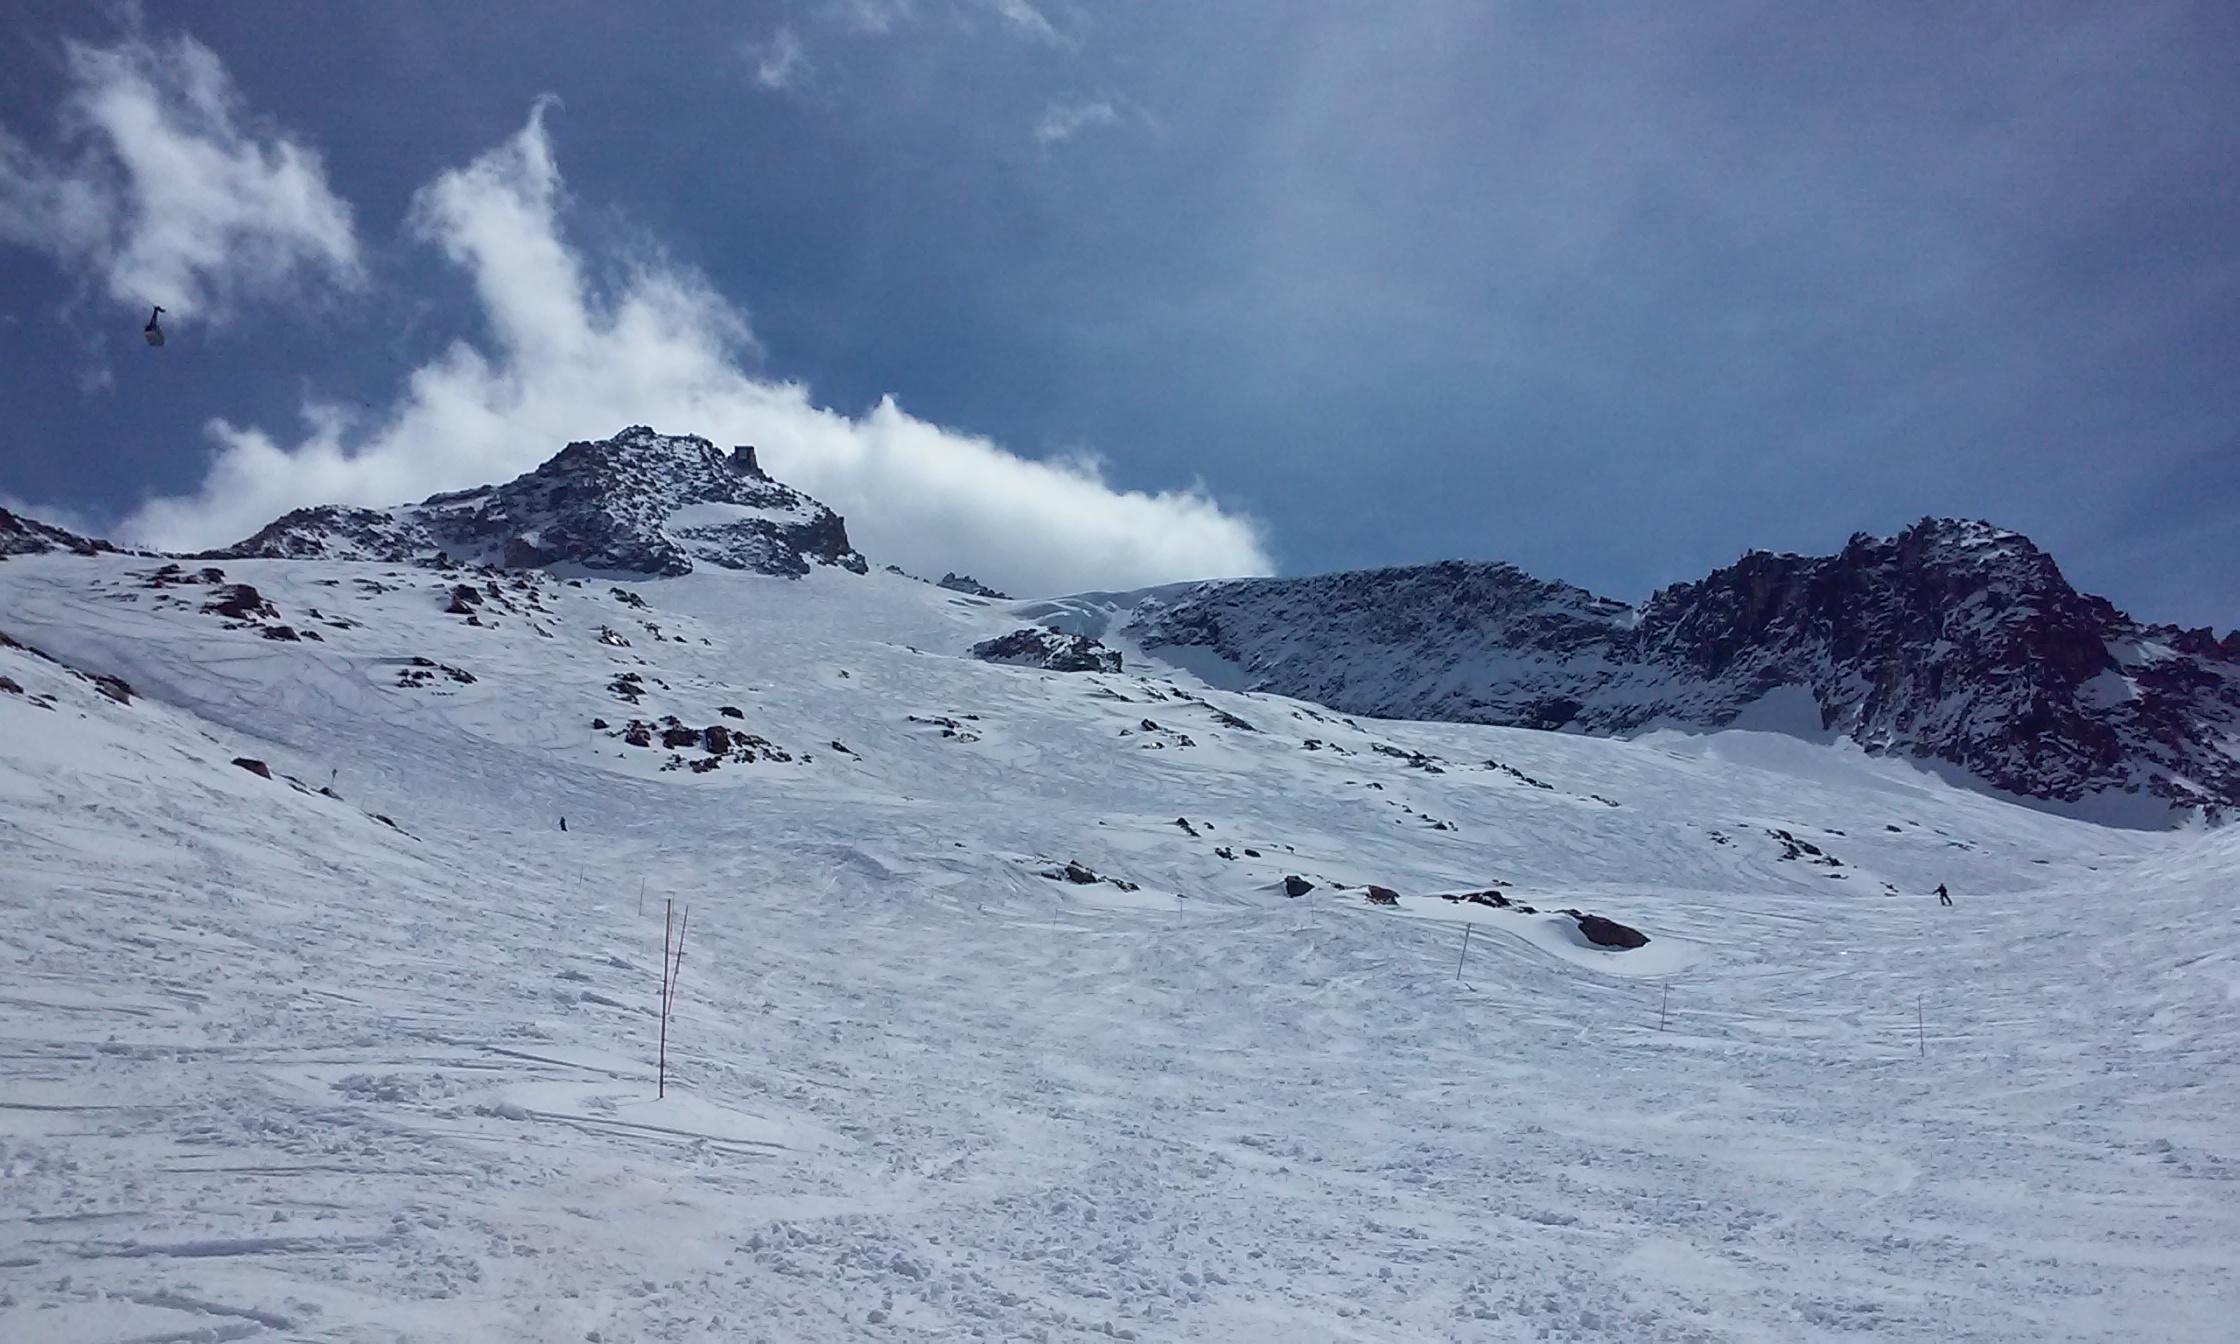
<point x="568" y="359"/>
<point x="163" y="193"/>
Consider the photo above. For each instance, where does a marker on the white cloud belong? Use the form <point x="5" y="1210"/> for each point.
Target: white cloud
<point x="779" y="63"/>
<point x="165" y="195"/>
<point x="1063" y="121"/>
<point x="567" y="362"/>
<point x="1022" y="15"/>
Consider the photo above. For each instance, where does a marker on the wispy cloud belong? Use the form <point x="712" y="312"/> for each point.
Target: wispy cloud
<point x="1063" y="121"/>
<point x="780" y="63"/>
<point x="164" y="191"/>
<point x="1024" y="17"/>
<point x="661" y="347"/>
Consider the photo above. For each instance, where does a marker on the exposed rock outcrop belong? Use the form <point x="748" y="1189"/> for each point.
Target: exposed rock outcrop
<point x="965" y="583"/>
<point x="1051" y="649"/>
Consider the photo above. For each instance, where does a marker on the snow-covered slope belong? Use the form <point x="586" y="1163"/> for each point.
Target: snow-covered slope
<point x="362" y="1047"/>
<point x="1954" y="642"/>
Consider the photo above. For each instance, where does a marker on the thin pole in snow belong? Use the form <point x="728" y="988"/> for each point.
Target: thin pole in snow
<point x="1920" y="1027"/>
<point x="1465" y="953"/>
<point x="661" y="1085"/>
<point x="1663" y="1004"/>
<point x="672" y="966"/>
<point x="676" y="974"/>
<point x="641" y="898"/>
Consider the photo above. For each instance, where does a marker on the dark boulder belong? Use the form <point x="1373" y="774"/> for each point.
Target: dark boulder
<point x="1295" y="885"/>
<point x="253" y="766"/>
<point x="1080" y="874"/>
<point x="240" y="602"/>
<point x="1609" y="932"/>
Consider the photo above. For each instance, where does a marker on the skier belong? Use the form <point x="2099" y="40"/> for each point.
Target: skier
<point x="1943" y="897"/>
<point x="153" y="331"/>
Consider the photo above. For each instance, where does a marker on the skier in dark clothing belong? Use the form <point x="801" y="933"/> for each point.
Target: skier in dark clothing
<point x="1943" y="897"/>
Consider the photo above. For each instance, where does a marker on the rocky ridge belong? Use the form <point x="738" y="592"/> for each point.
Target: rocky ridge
<point x="639" y="503"/>
<point x="1954" y="642"/>
<point x="28" y="536"/>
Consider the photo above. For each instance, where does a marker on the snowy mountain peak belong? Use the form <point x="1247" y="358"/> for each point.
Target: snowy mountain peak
<point x="640" y="502"/>
<point x="1955" y="641"/>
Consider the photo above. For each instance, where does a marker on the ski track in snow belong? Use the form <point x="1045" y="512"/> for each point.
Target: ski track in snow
<point x="276" y="1070"/>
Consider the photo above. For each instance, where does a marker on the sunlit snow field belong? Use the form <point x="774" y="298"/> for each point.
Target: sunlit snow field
<point x="278" y="1070"/>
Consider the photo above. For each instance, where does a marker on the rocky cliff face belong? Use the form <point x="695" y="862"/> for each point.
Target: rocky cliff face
<point x="640" y="503"/>
<point x="1954" y="641"/>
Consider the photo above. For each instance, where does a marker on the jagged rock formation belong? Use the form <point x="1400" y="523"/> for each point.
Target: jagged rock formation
<point x="1050" y="649"/>
<point x="640" y="503"/>
<point x="1954" y="641"/>
<point x="965" y="583"/>
<point x="28" y="536"/>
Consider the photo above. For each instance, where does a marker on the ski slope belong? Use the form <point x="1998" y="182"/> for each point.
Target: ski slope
<point x="279" y="1069"/>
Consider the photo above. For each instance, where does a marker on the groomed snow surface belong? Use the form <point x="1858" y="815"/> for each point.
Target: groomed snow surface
<point x="276" y="1069"/>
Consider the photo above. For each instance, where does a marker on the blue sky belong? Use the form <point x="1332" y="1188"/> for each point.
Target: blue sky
<point x="1613" y="292"/>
